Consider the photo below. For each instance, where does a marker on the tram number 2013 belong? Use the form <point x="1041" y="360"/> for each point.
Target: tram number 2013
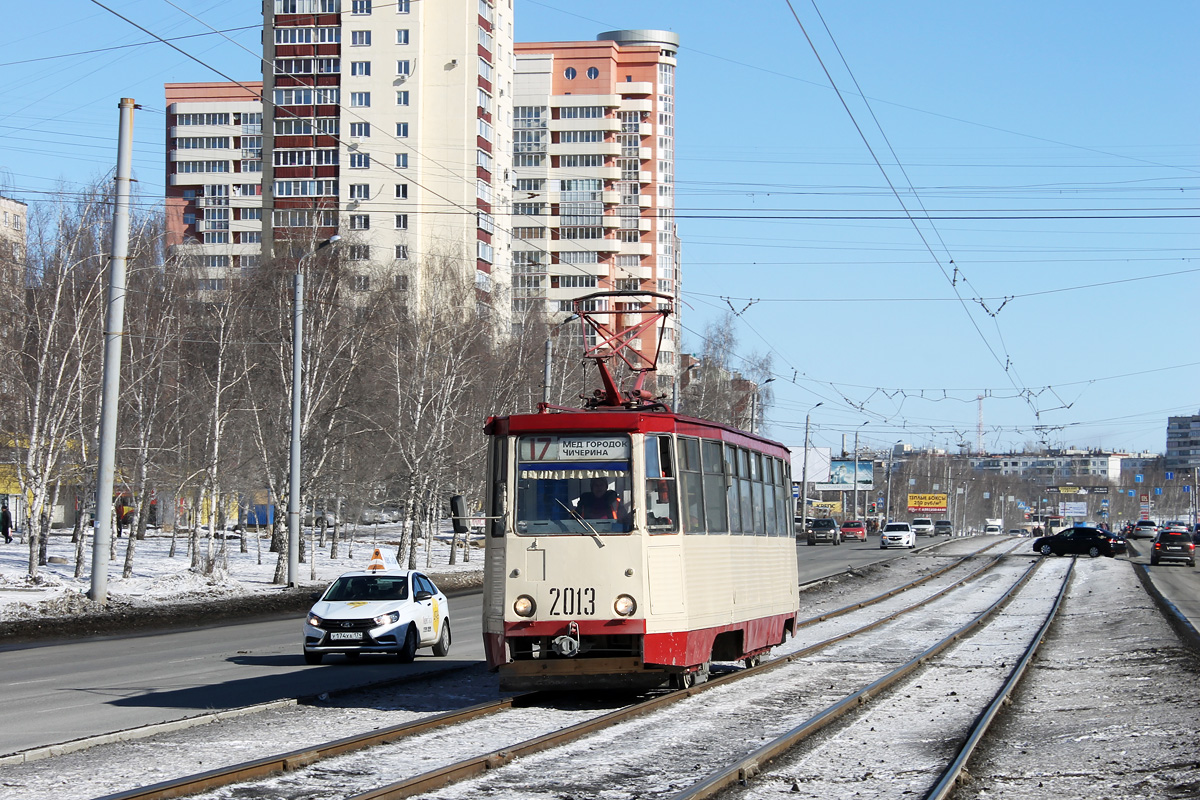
<point x="570" y="602"/>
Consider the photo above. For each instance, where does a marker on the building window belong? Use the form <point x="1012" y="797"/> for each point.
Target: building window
<point x="402" y="36"/>
<point x="358" y="252"/>
<point x="360" y="222"/>
<point x="569" y="73"/>
<point x="401" y="130"/>
<point x="581" y="112"/>
<point x="250" y="237"/>
<point x="402" y="252"/>
<point x="360" y="130"/>
<point x="216" y="237"/>
<point x="593" y="73"/>
<point x="189" y="219"/>
<point x="404" y="67"/>
<point x="360" y="191"/>
<point x="402" y="160"/>
<point x="485" y="222"/>
<point x="360" y="99"/>
<point x="360" y="68"/>
<point x="401" y="191"/>
<point x="484" y="251"/>
<point x="362" y="283"/>
<point x="403" y="6"/>
<point x="216" y="262"/>
<point x="360" y="38"/>
<point x="401" y="99"/>
<point x="360" y="160"/>
<point x="360" y="7"/>
<point x="251" y="213"/>
<point x="485" y="69"/>
<point x="402" y="222"/>
<point x="483" y="159"/>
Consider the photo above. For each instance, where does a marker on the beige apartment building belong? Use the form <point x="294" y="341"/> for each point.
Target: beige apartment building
<point x="594" y="169"/>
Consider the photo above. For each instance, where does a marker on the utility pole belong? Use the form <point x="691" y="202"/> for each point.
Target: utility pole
<point x="114" y="331"/>
<point x="856" y="468"/>
<point x="293" y="568"/>
<point x="804" y="473"/>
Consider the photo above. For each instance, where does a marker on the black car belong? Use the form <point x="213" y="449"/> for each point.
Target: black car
<point x="1080" y="541"/>
<point x="1170" y="545"/>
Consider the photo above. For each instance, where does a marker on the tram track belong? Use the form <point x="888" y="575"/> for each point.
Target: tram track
<point x="464" y="769"/>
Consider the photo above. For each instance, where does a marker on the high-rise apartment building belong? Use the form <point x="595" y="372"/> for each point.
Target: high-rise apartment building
<point x="13" y="223"/>
<point x="214" y="205"/>
<point x="386" y="123"/>
<point x="1183" y="443"/>
<point x="593" y="173"/>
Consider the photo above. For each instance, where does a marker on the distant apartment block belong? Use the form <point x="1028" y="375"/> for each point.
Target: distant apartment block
<point x="214" y="176"/>
<point x="593" y="173"/>
<point x="13" y="222"/>
<point x="1183" y="443"/>
<point x="387" y="123"/>
<point x="1053" y="466"/>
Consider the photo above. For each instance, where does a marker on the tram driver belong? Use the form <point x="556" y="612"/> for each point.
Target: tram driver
<point x="600" y="502"/>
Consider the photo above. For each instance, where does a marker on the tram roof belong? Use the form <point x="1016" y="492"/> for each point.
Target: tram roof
<point x="629" y="421"/>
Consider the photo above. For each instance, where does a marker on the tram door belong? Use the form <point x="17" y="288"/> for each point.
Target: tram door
<point x="664" y="547"/>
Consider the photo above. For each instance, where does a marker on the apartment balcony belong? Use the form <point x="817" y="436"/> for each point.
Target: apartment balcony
<point x="645" y="176"/>
<point x="598" y="245"/>
<point x="604" y="124"/>
<point x="199" y="154"/>
<point x="635" y="248"/>
<point x="645" y="153"/>
<point x="645" y="224"/>
<point x="646" y="200"/>
<point x="204" y="130"/>
<point x="636" y="105"/>
<point x="585" y="149"/>
<point x="568" y="100"/>
<point x="636" y="87"/>
<point x="610" y="198"/>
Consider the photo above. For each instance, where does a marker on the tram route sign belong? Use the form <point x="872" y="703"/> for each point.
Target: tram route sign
<point x="574" y="448"/>
<point x="926" y="502"/>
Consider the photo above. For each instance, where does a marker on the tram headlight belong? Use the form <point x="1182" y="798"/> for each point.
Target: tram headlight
<point x="524" y="606"/>
<point x="625" y="606"/>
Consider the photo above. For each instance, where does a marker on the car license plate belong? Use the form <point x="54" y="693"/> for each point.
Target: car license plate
<point x="341" y="635"/>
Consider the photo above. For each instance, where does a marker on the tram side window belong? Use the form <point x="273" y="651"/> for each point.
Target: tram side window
<point x="716" y="513"/>
<point x="783" y="519"/>
<point x="662" y="513"/>
<point x="692" y="489"/>
<point x="756" y="471"/>
<point x="769" y="494"/>
<point x="746" y="489"/>
<point x="734" y="489"/>
<point x="498" y="510"/>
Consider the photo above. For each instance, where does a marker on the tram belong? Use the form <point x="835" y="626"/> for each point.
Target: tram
<point x="629" y="546"/>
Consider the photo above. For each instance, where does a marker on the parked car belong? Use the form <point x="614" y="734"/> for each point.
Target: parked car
<point x="824" y="530"/>
<point x="1144" y="529"/>
<point x="1017" y="532"/>
<point x="1173" y="545"/>
<point x="1079" y="541"/>
<point x="922" y="526"/>
<point x="943" y="527"/>
<point x="897" y="534"/>
<point x="390" y="611"/>
<point x="854" y="529"/>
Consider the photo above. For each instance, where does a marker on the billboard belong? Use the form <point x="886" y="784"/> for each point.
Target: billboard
<point x="927" y="502"/>
<point x="832" y="506"/>
<point x="841" y="476"/>
<point x="818" y="464"/>
<point x="1072" y="508"/>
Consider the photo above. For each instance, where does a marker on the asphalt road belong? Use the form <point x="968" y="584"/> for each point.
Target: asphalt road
<point x="59" y="691"/>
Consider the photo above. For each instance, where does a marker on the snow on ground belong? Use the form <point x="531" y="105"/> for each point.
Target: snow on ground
<point x="159" y="579"/>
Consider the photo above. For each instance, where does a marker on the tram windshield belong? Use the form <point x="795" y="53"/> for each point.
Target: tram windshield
<point x="577" y="484"/>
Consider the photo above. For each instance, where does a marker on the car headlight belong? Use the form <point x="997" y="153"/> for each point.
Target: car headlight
<point x="314" y="620"/>
<point x="524" y="606"/>
<point x="384" y="619"/>
<point x="625" y="605"/>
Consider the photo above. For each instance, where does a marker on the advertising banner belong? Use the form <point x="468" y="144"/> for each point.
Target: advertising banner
<point x="1076" y="490"/>
<point x="927" y="502"/>
<point x="832" y="506"/>
<point x="1072" y="508"/>
<point x="818" y="464"/>
<point x="841" y="476"/>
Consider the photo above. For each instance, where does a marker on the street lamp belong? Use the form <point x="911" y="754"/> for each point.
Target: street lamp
<point x="859" y="428"/>
<point x="754" y="405"/>
<point x="804" y="472"/>
<point x="294" y="474"/>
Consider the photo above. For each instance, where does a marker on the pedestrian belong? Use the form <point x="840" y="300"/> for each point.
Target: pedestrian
<point x="5" y="522"/>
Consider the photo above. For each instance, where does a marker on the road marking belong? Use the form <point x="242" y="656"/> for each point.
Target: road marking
<point x="23" y="683"/>
<point x="183" y="660"/>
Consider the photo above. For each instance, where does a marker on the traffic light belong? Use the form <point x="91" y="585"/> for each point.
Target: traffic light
<point x="872" y="508"/>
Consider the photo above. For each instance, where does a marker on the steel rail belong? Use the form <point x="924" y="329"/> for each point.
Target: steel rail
<point x="297" y="759"/>
<point x="268" y="766"/>
<point x="837" y="612"/>
<point x="745" y="768"/>
<point x="950" y="777"/>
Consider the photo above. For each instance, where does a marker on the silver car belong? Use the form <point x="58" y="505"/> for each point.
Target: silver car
<point x="897" y="534"/>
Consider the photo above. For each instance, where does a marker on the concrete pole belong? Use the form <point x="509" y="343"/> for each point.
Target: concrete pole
<point x="546" y="376"/>
<point x="114" y="331"/>
<point x="293" y="568"/>
<point x="804" y="473"/>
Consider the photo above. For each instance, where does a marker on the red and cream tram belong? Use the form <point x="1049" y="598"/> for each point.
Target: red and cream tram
<point x="629" y="546"/>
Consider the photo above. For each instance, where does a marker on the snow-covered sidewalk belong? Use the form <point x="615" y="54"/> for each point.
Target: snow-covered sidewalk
<point x="161" y="580"/>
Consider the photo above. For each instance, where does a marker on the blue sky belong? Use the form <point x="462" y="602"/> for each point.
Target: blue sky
<point x="1054" y="146"/>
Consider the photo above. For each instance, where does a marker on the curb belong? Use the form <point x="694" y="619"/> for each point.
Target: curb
<point x="1182" y="625"/>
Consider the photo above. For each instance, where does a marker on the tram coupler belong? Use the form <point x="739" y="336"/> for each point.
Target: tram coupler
<point x="568" y="644"/>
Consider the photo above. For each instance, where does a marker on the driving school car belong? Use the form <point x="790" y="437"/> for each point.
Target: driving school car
<point x="390" y="611"/>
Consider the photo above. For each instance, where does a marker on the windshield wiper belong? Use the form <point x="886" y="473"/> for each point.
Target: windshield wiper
<point x="593" y="532"/>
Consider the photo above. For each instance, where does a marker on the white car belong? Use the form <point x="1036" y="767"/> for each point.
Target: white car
<point x="897" y="534"/>
<point x="381" y="611"/>
<point x="992" y="529"/>
<point x="922" y="526"/>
